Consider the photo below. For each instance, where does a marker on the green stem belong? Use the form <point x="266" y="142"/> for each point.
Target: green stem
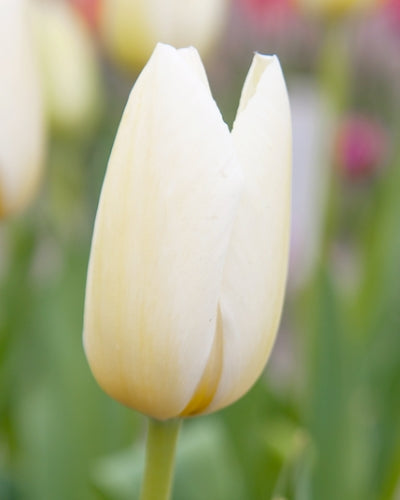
<point x="160" y="459"/>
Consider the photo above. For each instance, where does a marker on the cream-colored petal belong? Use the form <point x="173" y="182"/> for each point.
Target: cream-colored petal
<point x="192" y="58"/>
<point x="22" y="133"/>
<point x="256" y="265"/>
<point x="162" y="230"/>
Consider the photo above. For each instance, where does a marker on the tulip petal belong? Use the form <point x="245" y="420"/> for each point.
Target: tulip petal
<point x="256" y="265"/>
<point x="162" y="230"/>
<point x="192" y="58"/>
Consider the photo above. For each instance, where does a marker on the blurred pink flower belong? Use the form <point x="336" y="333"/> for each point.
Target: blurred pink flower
<point x="268" y="14"/>
<point x="392" y="9"/>
<point x="361" y="146"/>
<point x="89" y="10"/>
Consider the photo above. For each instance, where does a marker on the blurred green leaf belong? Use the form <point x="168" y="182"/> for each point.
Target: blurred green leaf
<point x="205" y="466"/>
<point x="330" y="386"/>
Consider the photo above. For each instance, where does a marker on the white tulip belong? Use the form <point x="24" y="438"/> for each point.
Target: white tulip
<point x="190" y="248"/>
<point x="131" y="28"/>
<point x="22" y="133"/>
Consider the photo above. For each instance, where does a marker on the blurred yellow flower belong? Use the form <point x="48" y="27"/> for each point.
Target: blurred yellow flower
<point x="333" y="8"/>
<point x="69" y="65"/>
<point x="131" y="28"/>
<point x="189" y="254"/>
<point x="22" y="133"/>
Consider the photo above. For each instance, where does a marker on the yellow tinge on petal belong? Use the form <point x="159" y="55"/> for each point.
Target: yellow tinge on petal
<point x="208" y="385"/>
<point x="2" y="208"/>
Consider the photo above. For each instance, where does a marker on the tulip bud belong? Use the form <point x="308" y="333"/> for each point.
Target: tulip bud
<point x="21" y="117"/>
<point x="69" y="66"/>
<point x="189" y="254"/>
<point x="131" y="28"/>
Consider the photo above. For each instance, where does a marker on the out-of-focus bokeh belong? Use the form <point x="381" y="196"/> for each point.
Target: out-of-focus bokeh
<point x="322" y="423"/>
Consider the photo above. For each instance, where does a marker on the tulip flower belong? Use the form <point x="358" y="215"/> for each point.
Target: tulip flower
<point x="22" y="133"/>
<point x="69" y="66"/>
<point x="189" y="254"/>
<point x="131" y="28"/>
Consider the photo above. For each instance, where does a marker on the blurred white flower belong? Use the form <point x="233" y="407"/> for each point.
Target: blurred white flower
<point x="69" y="65"/>
<point x="312" y="142"/>
<point x="22" y="132"/>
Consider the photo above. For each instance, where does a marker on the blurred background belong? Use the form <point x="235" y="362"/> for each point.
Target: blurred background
<point x="323" y="422"/>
